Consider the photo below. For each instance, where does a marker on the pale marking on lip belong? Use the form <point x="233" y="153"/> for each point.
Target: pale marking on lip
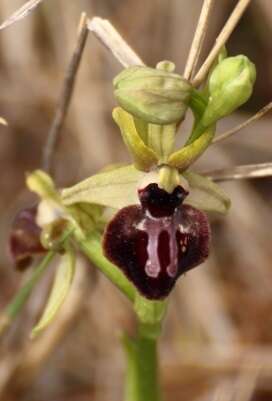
<point x="153" y="228"/>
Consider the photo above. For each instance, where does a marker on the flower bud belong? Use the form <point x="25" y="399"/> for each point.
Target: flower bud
<point x="230" y="86"/>
<point x="153" y="95"/>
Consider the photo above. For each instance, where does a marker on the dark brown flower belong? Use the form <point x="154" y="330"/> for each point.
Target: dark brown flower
<point x="153" y="244"/>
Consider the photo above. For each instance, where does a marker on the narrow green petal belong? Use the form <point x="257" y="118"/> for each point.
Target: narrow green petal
<point x="187" y="155"/>
<point x="144" y="157"/>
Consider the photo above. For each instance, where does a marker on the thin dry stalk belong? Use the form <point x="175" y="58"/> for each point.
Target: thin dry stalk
<point x="198" y="40"/>
<point x="65" y="97"/>
<point x="23" y="12"/>
<point x="114" y="42"/>
<point x="239" y="127"/>
<point x="221" y="40"/>
<point x="241" y="172"/>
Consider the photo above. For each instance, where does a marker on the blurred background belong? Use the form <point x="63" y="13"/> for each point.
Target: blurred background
<point x="217" y="339"/>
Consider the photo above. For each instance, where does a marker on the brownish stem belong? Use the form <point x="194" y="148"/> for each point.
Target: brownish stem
<point x="221" y="40"/>
<point x="65" y="97"/>
<point x="239" y="127"/>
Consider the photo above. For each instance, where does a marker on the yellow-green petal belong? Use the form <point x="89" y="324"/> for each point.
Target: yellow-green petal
<point x="187" y="155"/>
<point x="144" y="157"/>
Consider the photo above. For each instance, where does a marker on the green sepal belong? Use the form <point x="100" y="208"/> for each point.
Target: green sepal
<point x="187" y="155"/>
<point x="144" y="157"/>
<point x="60" y="289"/>
<point x="205" y="195"/>
<point x="116" y="188"/>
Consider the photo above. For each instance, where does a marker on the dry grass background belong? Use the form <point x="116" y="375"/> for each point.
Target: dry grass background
<point x="217" y="341"/>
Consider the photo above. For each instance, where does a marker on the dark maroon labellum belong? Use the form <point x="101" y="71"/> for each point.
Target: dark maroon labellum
<point x="24" y="240"/>
<point x="153" y="244"/>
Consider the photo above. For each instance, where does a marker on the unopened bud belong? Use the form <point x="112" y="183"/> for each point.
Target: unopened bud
<point x="230" y="85"/>
<point x="153" y="95"/>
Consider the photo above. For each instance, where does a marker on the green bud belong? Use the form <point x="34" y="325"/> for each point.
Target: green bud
<point x="153" y="95"/>
<point x="230" y="86"/>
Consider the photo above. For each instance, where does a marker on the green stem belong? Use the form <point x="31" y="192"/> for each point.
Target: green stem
<point x="93" y="250"/>
<point x="142" y="381"/>
<point x="142" y="371"/>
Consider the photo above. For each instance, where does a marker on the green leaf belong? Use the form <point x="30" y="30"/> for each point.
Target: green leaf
<point x="205" y="194"/>
<point x="144" y="157"/>
<point x="187" y="155"/>
<point x="61" y="286"/>
<point x="116" y="188"/>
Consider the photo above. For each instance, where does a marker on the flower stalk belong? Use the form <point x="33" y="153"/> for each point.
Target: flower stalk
<point x="142" y="377"/>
